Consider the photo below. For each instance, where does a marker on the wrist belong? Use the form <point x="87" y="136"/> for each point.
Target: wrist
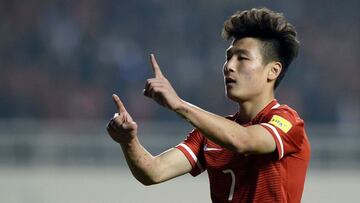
<point x="128" y="143"/>
<point x="183" y="109"/>
<point x="180" y="107"/>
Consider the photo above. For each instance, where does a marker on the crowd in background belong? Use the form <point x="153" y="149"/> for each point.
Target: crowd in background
<point x="64" y="59"/>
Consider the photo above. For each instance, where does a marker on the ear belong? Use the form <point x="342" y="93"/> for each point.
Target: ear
<point x="274" y="70"/>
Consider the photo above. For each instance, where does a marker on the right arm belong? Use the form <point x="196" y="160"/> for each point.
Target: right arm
<point x="146" y="168"/>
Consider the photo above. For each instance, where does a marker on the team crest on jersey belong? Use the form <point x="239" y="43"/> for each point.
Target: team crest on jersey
<point x="281" y="123"/>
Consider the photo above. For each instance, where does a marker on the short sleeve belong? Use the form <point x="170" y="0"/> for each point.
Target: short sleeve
<point x="193" y="150"/>
<point x="287" y="129"/>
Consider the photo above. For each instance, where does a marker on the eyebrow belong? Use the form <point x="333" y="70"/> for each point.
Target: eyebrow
<point x="236" y="51"/>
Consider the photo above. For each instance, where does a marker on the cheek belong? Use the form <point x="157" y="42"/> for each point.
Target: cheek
<point x="254" y="75"/>
<point x="248" y="72"/>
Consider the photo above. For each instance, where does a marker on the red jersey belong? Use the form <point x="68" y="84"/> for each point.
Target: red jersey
<point x="274" y="177"/>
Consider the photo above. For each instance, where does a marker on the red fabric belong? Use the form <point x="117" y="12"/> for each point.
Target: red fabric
<point x="256" y="178"/>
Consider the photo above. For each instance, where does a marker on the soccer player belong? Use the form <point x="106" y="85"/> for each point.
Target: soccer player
<point x="259" y="154"/>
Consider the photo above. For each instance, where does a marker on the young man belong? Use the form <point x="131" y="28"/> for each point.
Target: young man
<point x="259" y="154"/>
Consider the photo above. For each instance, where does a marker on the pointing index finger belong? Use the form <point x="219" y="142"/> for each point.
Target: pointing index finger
<point x="120" y="106"/>
<point x="156" y="67"/>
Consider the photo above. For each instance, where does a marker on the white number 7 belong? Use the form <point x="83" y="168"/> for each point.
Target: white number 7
<point x="232" y="187"/>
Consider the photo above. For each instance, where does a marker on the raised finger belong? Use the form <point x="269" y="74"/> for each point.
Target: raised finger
<point x="119" y="105"/>
<point x="156" y="67"/>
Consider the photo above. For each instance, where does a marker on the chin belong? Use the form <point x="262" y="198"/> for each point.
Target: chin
<point x="235" y="97"/>
<point x="231" y="96"/>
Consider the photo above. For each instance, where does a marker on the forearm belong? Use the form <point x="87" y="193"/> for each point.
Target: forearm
<point x="220" y="130"/>
<point x="140" y="161"/>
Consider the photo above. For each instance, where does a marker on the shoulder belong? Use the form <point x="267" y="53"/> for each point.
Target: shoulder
<point x="288" y="130"/>
<point x="282" y="115"/>
<point x="285" y="121"/>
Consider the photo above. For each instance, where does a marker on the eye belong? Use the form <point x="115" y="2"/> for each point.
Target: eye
<point x="241" y="58"/>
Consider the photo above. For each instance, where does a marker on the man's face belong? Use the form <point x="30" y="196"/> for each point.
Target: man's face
<point x="245" y="75"/>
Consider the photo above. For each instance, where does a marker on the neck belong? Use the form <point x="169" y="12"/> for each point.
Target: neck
<point x="248" y="109"/>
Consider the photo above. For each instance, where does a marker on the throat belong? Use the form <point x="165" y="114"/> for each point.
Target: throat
<point x="243" y="118"/>
<point x="249" y="110"/>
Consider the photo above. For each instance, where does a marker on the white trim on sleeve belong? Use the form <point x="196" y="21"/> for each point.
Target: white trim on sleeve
<point x="275" y="106"/>
<point x="192" y="155"/>
<point x="278" y="138"/>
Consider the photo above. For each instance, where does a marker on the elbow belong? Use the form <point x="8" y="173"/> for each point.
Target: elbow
<point x="241" y="146"/>
<point x="148" y="181"/>
<point x="151" y="175"/>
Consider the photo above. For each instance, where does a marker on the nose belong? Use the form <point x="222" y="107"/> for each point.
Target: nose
<point x="228" y="68"/>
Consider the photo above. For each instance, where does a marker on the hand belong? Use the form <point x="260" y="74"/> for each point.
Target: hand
<point x="122" y="127"/>
<point x="160" y="89"/>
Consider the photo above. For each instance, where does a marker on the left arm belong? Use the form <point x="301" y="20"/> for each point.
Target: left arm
<point x="253" y="139"/>
<point x="224" y="132"/>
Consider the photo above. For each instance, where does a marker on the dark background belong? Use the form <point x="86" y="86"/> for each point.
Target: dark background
<point x="64" y="59"/>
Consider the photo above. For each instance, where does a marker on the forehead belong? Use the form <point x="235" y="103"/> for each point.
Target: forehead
<point x="248" y="44"/>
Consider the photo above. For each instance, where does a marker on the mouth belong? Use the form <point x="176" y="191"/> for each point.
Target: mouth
<point x="229" y="81"/>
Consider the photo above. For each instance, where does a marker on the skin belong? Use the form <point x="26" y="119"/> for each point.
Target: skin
<point x="252" y="88"/>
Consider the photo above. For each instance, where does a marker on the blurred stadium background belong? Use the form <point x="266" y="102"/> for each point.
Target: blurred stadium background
<point x="60" y="61"/>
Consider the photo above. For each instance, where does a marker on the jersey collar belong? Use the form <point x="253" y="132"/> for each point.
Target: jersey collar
<point x="272" y="105"/>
